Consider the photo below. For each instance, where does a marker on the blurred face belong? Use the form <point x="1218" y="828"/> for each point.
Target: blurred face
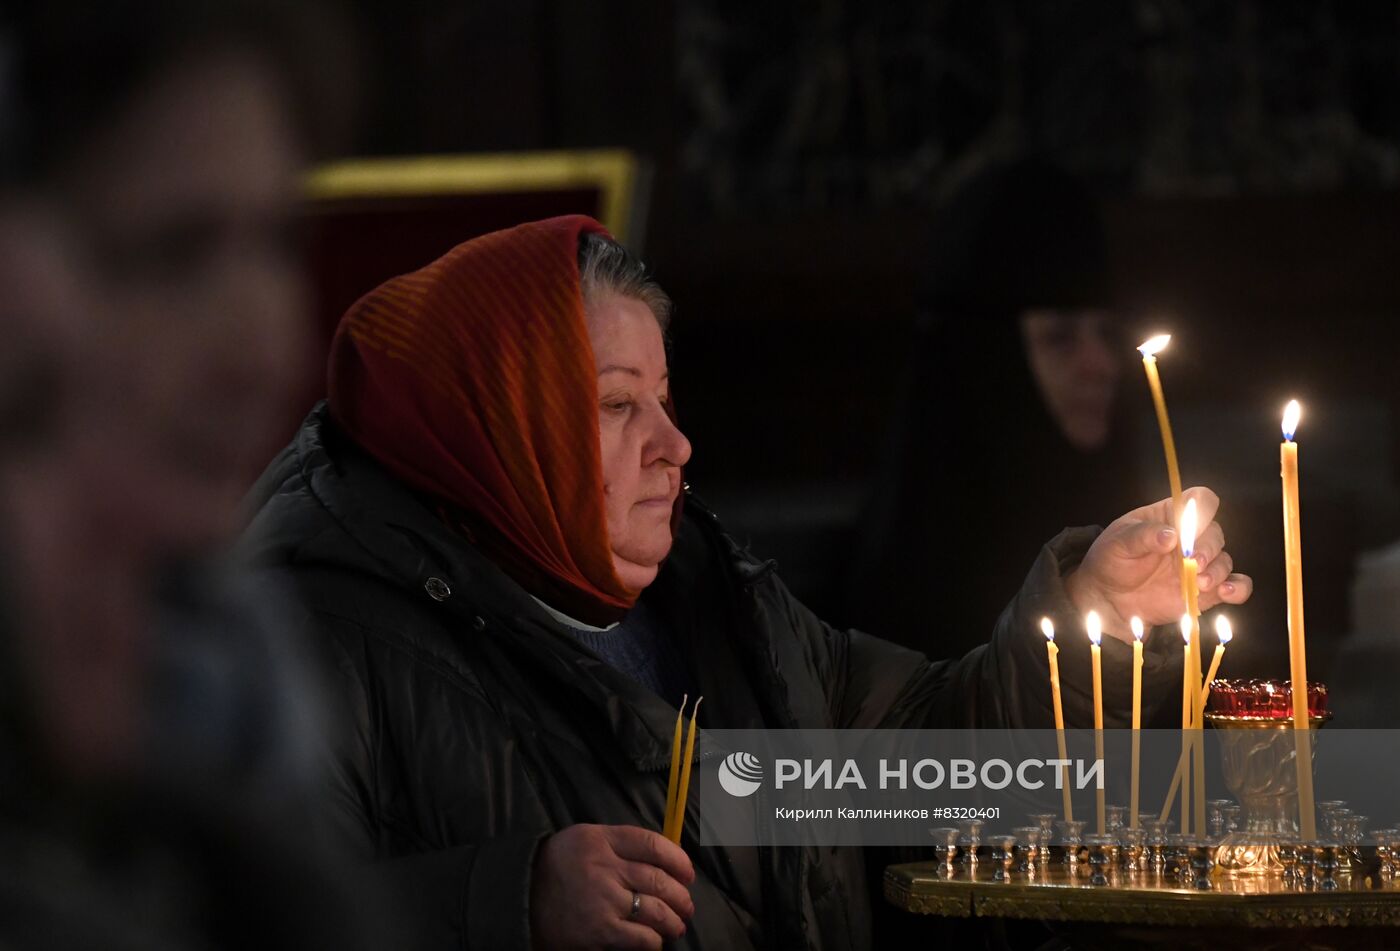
<point x="1076" y="369"/>
<point x="185" y="200"/>
<point x="41" y="321"/>
<point x="642" y="450"/>
<point x="77" y="651"/>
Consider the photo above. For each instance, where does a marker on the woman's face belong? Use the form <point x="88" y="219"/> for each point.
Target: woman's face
<point x="189" y="198"/>
<point x="642" y="449"/>
<point x="1073" y="361"/>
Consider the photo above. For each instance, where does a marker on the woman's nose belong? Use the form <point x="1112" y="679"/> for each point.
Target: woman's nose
<point x="671" y="445"/>
<point x="1094" y="357"/>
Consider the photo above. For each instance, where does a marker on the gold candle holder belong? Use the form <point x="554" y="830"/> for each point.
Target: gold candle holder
<point x="1258" y="756"/>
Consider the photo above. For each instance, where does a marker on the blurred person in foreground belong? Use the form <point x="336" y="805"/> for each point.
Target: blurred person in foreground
<point x="488" y="527"/>
<point x="1013" y="425"/>
<point x="157" y="746"/>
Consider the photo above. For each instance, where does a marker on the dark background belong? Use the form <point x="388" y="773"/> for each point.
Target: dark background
<point x="1248" y="154"/>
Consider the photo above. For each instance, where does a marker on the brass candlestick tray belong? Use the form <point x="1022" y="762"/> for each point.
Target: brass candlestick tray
<point x="1359" y="908"/>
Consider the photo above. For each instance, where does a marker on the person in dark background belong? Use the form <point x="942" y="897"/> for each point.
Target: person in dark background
<point x="157" y="741"/>
<point x="1013" y="425"/>
<point x="487" y="526"/>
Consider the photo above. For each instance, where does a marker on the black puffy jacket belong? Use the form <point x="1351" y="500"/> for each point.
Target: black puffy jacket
<point x="474" y="725"/>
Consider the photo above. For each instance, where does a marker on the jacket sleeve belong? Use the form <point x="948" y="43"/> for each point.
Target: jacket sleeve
<point x="469" y="896"/>
<point x="1004" y="684"/>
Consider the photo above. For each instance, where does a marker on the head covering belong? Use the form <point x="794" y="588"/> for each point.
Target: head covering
<point x="473" y="381"/>
<point x="1022" y="235"/>
<point x="978" y="475"/>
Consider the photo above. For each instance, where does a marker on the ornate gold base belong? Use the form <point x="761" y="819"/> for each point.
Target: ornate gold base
<point x="1248" y="854"/>
<point x="1258" y="756"/>
<point x="1152" y="900"/>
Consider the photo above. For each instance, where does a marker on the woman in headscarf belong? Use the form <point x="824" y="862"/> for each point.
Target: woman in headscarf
<point x="486" y="526"/>
<point x="1012" y="426"/>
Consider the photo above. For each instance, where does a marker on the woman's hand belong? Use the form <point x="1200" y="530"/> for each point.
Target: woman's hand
<point x="1131" y="569"/>
<point x="584" y="880"/>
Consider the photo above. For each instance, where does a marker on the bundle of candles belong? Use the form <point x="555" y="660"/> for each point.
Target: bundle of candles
<point x="1196" y="689"/>
<point x="678" y="788"/>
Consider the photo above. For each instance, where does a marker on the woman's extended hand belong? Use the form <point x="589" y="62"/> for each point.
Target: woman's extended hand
<point x="1131" y="569"/>
<point x="585" y="877"/>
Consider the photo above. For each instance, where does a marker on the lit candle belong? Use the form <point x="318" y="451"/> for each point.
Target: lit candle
<point x="1187" y="623"/>
<point x="1149" y="350"/>
<point x="1136" y="624"/>
<point x="1190" y="569"/>
<point x="683" y="792"/>
<point x="1297" y="652"/>
<point x="1224" y="633"/>
<point x="1054" y="654"/>
<point x="674" y="782"/>
<point x="1094" y="626"/>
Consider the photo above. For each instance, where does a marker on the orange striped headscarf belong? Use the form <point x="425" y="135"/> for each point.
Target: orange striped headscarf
<point x="473" y="381"/>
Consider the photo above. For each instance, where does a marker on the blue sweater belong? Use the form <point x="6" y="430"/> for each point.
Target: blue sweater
<point x="637" y="647"/>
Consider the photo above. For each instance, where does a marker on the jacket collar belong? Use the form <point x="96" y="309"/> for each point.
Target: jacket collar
<point x="387" y="532"/>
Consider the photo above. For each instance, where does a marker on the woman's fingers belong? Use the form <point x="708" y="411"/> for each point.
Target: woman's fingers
<point x="1207" y="503"/>
<point x="1131" y="569"/>
<point x="636" y="844"/>
<point x="651" y="912"/>
<point x="657" y="871"/>
<point x="633" y="936"/>
<point x="1209" y="544"/>
<point x="1140" y="539"/>
<point x="1217" y="571"/>
<point x="584" y="881"/>
<point x="650" y="880"/>
<point x="1235" y="589"/>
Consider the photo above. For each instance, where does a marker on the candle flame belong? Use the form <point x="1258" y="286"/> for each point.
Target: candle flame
<point x="1188" y="529"/>
<point x="1291" y="414"/>
<point x="1094" y="626"/>
<point x="1186" y="628"/>
<point x="1222" y="629"/>
<point x="1047" y="628"/>
<point x="1154" y="346"/>
<point x="1136" y="624"/>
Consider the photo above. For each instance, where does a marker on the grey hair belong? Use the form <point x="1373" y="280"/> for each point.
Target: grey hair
<point x="606" y="267"/>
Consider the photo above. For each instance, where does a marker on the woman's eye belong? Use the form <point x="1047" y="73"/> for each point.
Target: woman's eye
<point x="618" y="406"/>
<point x="1059" y="340"/>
